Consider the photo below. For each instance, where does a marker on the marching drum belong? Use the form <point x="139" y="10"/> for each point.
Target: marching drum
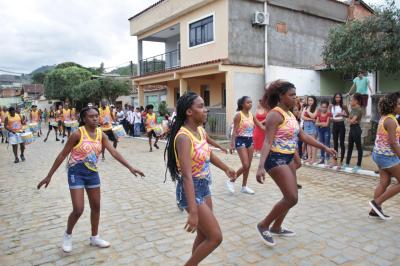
<point x="158" y="130"/>
<point x="27" y="137"/>
<point x="54" y="123"/>
<point x="119" y="131"/>
<point x="68" y="123"/>
<point x="33" y="127"/>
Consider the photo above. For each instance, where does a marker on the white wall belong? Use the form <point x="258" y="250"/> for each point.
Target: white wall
<point x="248" y="84"/>
<point x="307" y="82"/>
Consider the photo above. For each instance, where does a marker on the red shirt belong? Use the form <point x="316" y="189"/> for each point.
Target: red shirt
<point x="323" y="118"/>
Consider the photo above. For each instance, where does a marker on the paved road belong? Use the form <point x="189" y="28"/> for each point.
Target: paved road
<point x="140" y="218"/>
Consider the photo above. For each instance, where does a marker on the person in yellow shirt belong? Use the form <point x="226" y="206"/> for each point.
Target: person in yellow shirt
<point x="151" y="123"/>
<point x="105" y="121"/>
<point x="3" y="131"/>
<point x="59" y="117"/>
<point x="66" y="117"/>
<point x="34" y="117"/>
<point x="13" y="123"/>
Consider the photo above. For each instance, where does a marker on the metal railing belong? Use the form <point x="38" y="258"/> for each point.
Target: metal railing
<point x="216" y="123"/>
<point x="160" y="62"/>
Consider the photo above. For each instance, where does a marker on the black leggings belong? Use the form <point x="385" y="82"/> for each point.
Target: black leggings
<point x="355" y="137"/>
<point x="339" y="133"/>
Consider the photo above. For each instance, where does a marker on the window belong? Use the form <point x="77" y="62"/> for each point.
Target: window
<point x="201" y="31"/>
<point x="205" y="94"/>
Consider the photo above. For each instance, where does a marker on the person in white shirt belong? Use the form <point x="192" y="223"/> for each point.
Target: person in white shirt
<point x="120" y="115"/>
<point x="137" y="122"/>
<point x="130" y="119"/>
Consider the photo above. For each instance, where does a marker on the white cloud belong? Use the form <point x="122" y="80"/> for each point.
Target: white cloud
<point x="44" y="32"/>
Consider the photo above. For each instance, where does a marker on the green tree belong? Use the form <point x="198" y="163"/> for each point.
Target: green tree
<point x="39" y="77"/>
<point x="68" y="64"/>
<point x="371" y="44"/>
<point x="113" y="88"/>
<point x="60" y="82"/>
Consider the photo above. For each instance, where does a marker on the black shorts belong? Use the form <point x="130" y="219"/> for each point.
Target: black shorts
<point x="110" y="135"/>
<point x="60" y="123"/>
<point x="51" y="127"/>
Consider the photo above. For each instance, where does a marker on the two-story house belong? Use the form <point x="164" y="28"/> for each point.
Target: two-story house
<point x="219" y="48"/>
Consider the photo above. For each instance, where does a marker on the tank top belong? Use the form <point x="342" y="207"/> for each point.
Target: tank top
<point x="336" y="109"/>
<point x="105" y="118"/>
<point x="73" y="114"/>
<point x="200" y="153"/>
<point x="14" y="122"/>
<point x="87" y="151"/>
<point x="246" y="125"/>
<point x="285" y="139"/>
<point x="382" y="145"/>
<point x="34" y="116"/>
<point x="150" y="121"/>
<point x="66" y="114"/>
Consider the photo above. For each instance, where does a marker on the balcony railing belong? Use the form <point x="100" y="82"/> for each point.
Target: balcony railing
<point x="160" y="62"/>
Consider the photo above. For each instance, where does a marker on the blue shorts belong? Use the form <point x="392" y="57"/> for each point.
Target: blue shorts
<point x="246" y="142"/>
<point x="277" y="159"/>
<point x="79" y="176"/>
<point x="385" y="161"/>
<point x="201" y="191"/>
<point x="310" y="128"/>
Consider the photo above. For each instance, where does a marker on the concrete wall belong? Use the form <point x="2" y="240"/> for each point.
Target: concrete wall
<point x="389" y="82"/>
<point x="171" y="43"/>
<point x="247" y="84"/>
<point x="307" y="82"/>
<point x="301" y="46"/>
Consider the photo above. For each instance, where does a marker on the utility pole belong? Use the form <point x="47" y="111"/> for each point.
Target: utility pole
<point x="131" y="69"/>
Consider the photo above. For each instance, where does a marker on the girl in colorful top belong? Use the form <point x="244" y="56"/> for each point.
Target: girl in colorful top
<point x="188" y="161"/>
<point x="355" y="131"/>
<point x="53" y="124"/>
<point x="282" y="130"/>
<point x="242" y="141"/>
<point x="309" y="115"/>
<point x="84" y="147"/>
<point x="386" y="153"/>
<point x="151" y="123"/>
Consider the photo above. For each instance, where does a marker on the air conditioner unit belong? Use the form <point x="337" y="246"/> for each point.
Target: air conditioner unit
<point x="261" y="18"/>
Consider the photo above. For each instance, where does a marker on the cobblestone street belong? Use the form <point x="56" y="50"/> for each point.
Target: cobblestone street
<point x="140" y="218"/>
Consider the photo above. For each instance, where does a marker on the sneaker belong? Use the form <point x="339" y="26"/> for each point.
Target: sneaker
<point x="22" y="157"/>
<point x="322" y="161"/>
<point x="16" y="160"/>
<point x="355" y="169"/>
<point x="283" y="232"/>
<point x="62" y="141"/>
<point x="377" y="209"/>
<point x="247" y="190"/>
<point x="45" y="140"/>
<point x="57" y="139"/>
<point x="345" y="165"/>
<point x="372" y="214"/>
<point x="96" y="241"/>
<point x="265" y="236"/>
<point x="230" y="185"/>
<point x="67" y="243"/>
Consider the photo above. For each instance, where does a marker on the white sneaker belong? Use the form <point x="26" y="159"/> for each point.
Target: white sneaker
<point x="230" y="185"/>
<point x="247" y="190"/>
<point x="67" y="243"/>
<point x="98" y="242"/>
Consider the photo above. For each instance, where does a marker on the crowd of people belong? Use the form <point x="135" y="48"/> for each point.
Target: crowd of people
<point x="284" y="129"/>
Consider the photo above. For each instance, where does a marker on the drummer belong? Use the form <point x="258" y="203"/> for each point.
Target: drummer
<point x="3" y="114"/>
<point x="59" y="117"/>
<point x="34" y="117"/>
<point x="13" y="124"/>
<point x="105" y="121"/>
<point x="66" y="119"/>
<point x="53" y="124"/>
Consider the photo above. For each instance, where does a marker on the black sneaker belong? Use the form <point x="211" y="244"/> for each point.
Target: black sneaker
<point x="282" y="232"/>
<point x="372" y="214"/>
<point x="265" y="236"/>
<point x="57" y="139"/>
<point x="62" y="141"/>
<point x="16" y="160"/>
<point x="322" y="161"/>
<point x="45" y="140"/>
<point x="377" y="209"/>
<point x="22" y="157"/>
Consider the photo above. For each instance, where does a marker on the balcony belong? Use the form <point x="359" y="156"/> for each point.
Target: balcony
<point x="160" y="63"/>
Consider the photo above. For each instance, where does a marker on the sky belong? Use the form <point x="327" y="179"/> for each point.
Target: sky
<point x="34" y="33"/>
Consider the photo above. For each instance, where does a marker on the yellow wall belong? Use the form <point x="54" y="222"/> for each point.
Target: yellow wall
<point x="218" y="49"/>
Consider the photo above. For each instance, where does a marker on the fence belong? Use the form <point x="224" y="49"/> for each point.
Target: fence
<point x="216" y="123"/>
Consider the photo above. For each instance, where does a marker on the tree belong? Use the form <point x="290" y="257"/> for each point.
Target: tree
<point x="371" y="44"/>
<point x="60" y="82"/>
<point x="39" y="77"/>
<point x="113" y="88"/>
<point x="68" y="64"/>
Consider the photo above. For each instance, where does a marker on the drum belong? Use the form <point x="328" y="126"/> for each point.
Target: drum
<point x="54" y="123"/>
<point x="68" y="123"/>
<point x="27" y="137"/>
<point x="158" y="130"/>
<point x="119" y="131"/>
<point x="34" y="127"/>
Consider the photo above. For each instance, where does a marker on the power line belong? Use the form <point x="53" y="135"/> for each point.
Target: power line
<point x="12" y="72"/>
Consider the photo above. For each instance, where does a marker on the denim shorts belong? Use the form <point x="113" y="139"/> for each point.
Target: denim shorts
<point x="277" y="159"/>
<point x="310" y="128"/>
<point x="79" y="176"/>
<point x="385" y="161"/>
<point x="246" y="142"/>
<point x="201" y="191"/>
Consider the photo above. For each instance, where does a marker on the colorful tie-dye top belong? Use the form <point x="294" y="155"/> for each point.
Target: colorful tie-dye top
<point x="286" y="135"/>
<point x="382" y="145"/>
<point x="87" y="151"/>
<point x="200" y="153"/>
<point x="246" y="125"/>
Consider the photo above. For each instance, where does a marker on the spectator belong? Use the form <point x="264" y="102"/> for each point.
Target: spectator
<point x="309" y="114"/>
<point x="361" y="83"/>
<point x="137" y="122"/>
<point x="324" y="129"/>
<point x="355" y="131"/>
<point x="120" y="115"/>
<point x="339" y="112"/>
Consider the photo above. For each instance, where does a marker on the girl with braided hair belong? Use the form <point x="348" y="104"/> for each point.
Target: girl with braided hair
<point x="188" y="161"/>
